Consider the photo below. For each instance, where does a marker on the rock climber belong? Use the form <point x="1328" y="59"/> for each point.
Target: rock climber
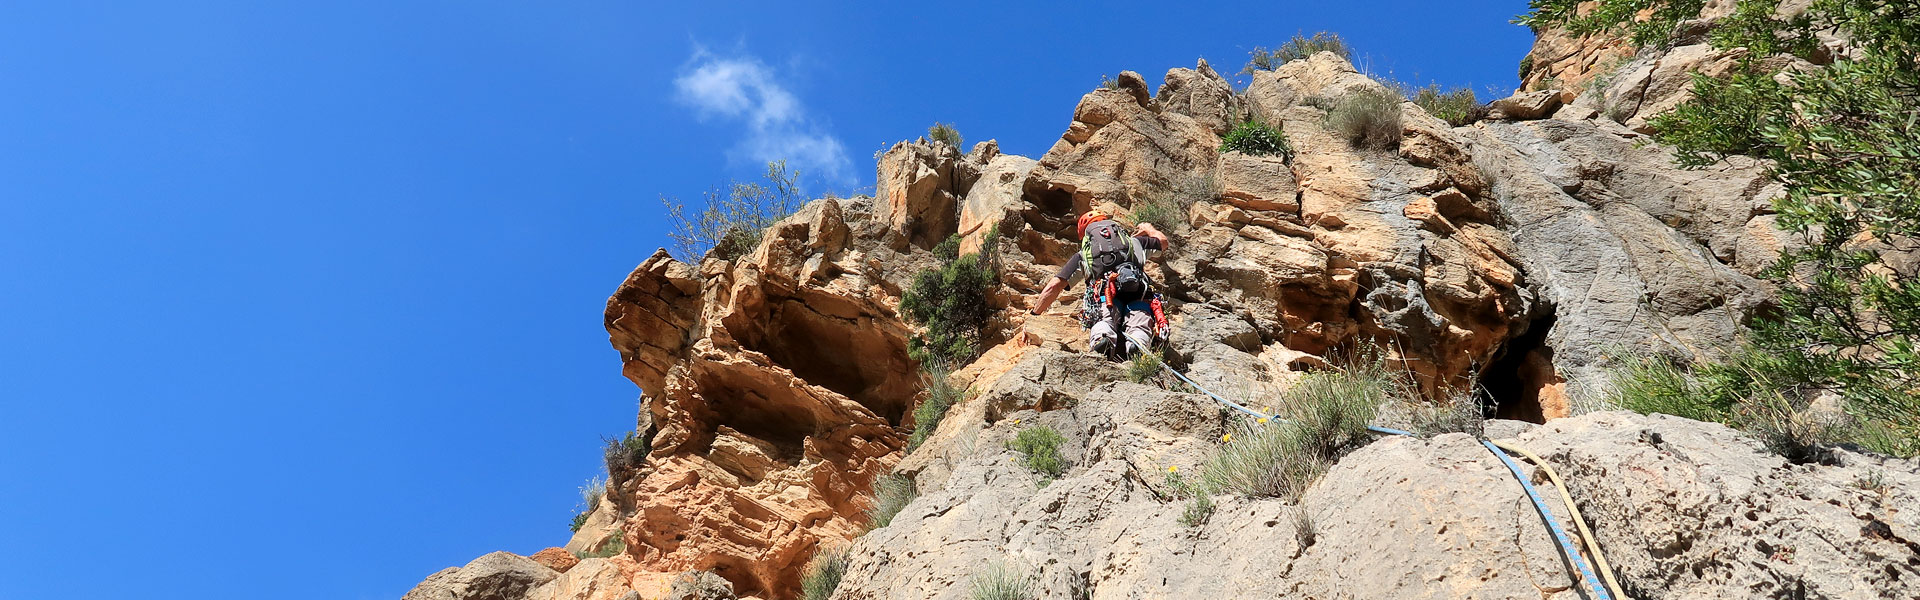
<point x="1122" y="314"/>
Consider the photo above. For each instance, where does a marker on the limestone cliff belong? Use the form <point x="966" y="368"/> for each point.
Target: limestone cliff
<point x="1517" y="252"/>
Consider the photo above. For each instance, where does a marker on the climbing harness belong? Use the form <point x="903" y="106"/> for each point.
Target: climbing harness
<point x="1600" y="592"/>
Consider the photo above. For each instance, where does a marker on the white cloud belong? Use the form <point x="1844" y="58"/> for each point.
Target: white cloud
<point x="743" y="89"/>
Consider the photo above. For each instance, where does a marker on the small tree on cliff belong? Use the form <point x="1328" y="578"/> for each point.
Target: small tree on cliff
<point x="1844" y="140"/>
<point x="733" y="220"/>
<point x="951" y="301"/>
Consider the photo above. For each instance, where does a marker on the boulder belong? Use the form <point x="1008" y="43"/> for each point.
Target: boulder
<point x="700" y="585"/>
<point x="495" y="576"/>
<point x="591" y="579"/>
<point x="558" y="559"/>
<point x="1204" y="95"/>
<point x="1257" y="183"/>
<point x="1525" y="106"/>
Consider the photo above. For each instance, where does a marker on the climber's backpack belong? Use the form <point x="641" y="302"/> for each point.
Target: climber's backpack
<point x="1110" y="249"/>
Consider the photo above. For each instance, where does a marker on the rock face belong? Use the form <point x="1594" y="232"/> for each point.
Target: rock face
<point x="1682" y="509"/>
<point x="1517" y="253"/>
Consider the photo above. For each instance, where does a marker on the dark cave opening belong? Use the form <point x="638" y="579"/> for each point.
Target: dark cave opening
<point x="1515" y="386"/>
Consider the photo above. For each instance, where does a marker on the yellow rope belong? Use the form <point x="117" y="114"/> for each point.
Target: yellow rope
<point x="1593" y="546"/>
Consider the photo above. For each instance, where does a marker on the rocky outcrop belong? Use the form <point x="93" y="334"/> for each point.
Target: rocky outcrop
<point x="1606" y="73"/>
<point x="1682" y="509"/>
<point x="765" y="443"/>
<point x="496" y="576"/>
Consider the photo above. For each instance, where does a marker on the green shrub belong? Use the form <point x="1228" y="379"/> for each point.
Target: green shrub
<point x="1458" y="107"/>
<point x="999" y="581"/>
<point x="1144" y="367"/>
<point x="1654" y="29"/>
<point x="1258" y="139"/>
<point x="733" y="221"/>
<point x="891" y="494"/>
<point x="1300" y="47"/>
<point x="823" y="573"/>
<point x="1840" y="139"/>
<point x="1750" y="390"/>
<point x="1327" y="413"/>
<point x="1305" y="531"/>
<point x="1166" y="205"/>
<point x="1197" y="511"/>
<point x="626" y="453"/>
<point x="952" y="302"/>
<point x="1367" y="118"/>
<point x="1177" y="486"/>
<point x="940" y="397"/>
<point x="1455" y="412"/>
<point x="615" y="546"/>
<point x="1526" y="65"/>
<point x="945" y="133"/>
<point x="1109" y="82"/>
<point x="590" y="495"/>
<point x="1041" y="445"/>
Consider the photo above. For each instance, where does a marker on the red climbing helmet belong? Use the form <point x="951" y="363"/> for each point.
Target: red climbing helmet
<point x="1092" y="216"/>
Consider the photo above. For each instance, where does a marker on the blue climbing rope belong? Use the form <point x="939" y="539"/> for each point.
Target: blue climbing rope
<point x="1559" y="533"/>
<point x="1260" y="415"/>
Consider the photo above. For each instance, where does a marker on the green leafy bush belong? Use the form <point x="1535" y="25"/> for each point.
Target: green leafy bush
<point x="823" y="573"/>
<point x="1197" y="511"/>
<point x="1526" y="65"/>
<point x="941" y="396"/>
<point x="1367" y="118"/>
<point x="945" y="133"/>
<point x="1458" y="107"/>
<point x="1041" y="445"/>
<point x="1144" y="367"/>
<point x="1841" y="140"/>
<point x="951" y="301"/>
<point x="999" y="581"/>
<point x="1613" y="15"/>
<point x="732" y="222"/>
<point x="891" y="494"/>
<point x="1258" y="139"/>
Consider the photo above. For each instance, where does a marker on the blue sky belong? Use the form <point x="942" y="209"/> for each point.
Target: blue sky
<point x="304" y="299"/>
